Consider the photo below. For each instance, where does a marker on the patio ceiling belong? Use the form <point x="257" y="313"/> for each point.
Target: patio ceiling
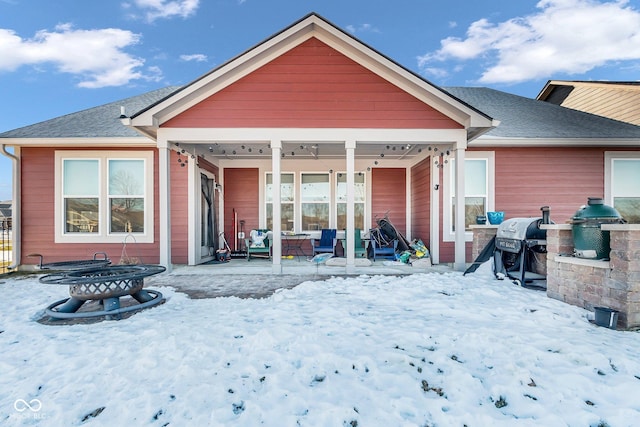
<point x="311" y="150"/>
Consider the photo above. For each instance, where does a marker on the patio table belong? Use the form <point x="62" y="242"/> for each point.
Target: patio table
<point x="294" y="242"/>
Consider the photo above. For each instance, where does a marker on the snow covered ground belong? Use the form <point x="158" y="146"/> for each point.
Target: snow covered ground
<point x="421" y="350"/>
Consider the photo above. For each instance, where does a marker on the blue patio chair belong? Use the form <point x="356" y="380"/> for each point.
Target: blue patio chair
<point x="382" y="249"/>
<point x="327" y="243"/>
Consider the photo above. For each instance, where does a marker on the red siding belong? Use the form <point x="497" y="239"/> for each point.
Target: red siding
<point x="37" y="228"/>
<point x="529" y="178"/>
<point x="388" y="195"/>
<point x="310" y="86"/>
<point x="179" y="209"/>
<point x="561" y="178"/>
<point x="241" y="192"/>
<point x="421" y="201"/>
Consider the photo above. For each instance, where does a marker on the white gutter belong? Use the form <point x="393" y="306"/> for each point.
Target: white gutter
<point x="15" y="207"/>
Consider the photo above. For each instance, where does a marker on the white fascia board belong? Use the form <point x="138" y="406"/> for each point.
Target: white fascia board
<point x="554" y="142"/>
<point x="208" y="135"/>
<point x="80" y="142"/>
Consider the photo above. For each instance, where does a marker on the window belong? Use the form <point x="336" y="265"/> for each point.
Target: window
<point x="623" y="186"/>
<point x="479" y="190"/>
<point x="341" y="201"/>
<point x="81" y="193"/>
<point x="315" y="194"/>
<point x="287" y="200"/>
<point x="103" y="196"/>
<point x="126" y="196"/>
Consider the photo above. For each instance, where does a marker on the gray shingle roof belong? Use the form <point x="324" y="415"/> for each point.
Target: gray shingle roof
<point x="522" y="117"/>
<point x="101" y="121"/>
<point x="519" y="117"/>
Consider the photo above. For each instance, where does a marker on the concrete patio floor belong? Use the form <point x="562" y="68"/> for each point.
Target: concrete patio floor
<point x="256" y="279"/>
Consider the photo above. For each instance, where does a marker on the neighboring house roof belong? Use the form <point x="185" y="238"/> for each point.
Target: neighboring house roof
<point x="97" y="122"/>
<point x="616" y="100"/>
<point x="522" y="117"/>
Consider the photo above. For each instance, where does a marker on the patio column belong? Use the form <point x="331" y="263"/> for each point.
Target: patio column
<point x="350" y="147"/>
<point x="276" y="248"/>
<point x="164" y="176"/>
<point x="434" y="239"/>
<point x="460" y="241"/>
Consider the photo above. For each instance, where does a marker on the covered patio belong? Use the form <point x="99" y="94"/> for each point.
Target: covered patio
<point x="311" y="98"/>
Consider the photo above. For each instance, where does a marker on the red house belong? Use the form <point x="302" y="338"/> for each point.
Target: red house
<point x="337" y="132"/>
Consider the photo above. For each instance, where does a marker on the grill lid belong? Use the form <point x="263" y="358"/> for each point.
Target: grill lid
<point x="521" y="229"/>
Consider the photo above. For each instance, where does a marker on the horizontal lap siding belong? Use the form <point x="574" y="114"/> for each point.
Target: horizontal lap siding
<point x="312" y="86"/>
<point x="179" y="187"/>
<point x="529" y="178"/>
<point x="421" y="201"/>
<point x="561" y="178"/>
<point x="388" y="194"/>
<point x="241" y="192"/>
<point x="37" y="181"/>
<point x="37" y="221"/>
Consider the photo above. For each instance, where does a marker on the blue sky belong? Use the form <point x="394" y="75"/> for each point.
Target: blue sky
<point x="62" y="56"/>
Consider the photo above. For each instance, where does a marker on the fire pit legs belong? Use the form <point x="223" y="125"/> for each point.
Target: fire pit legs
<point x="142" y="296"/>
<point x="71" y="306"/>
<point x="112" y="304"/>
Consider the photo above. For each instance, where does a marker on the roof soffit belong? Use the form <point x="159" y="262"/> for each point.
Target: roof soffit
<point x="311" y="26"/>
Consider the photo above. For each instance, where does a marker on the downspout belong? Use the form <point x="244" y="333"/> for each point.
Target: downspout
<point x="15" y="208"/>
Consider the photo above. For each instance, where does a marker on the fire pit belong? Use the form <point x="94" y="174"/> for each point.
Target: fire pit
<point x="79" y="264"/>
<point x="107" y="285"/>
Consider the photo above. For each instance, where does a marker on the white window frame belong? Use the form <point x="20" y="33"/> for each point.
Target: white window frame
<point x="103" y="235"/>
<point x="609" y="157"/>
<point x="447" y="186"/>
<point x="329" y="201"/>
<point x="293" y="202"/>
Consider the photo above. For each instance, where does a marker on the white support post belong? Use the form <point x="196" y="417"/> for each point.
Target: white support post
<point x="350" y="147"/>
<point x="193" y="210"/>
<point x="276" y="247"/>
<point x="164" y="175"/>
<point x="460" y="241"/>
<point x="434" y="239"/>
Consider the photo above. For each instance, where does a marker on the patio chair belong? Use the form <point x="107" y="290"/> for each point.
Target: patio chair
<point x="380" y="250"/>
<point x="327" y="242"/>
<point x="258" y="243"/>
<point x="360" y="250"/>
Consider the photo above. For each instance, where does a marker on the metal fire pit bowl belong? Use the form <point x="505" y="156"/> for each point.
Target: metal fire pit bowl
<point x="80" y="264"/>
<point x="106" y="284"/>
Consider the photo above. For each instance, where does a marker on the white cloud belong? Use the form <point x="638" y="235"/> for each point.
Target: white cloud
<point x="362" y="28"/>
<point x="198" y="57"/>
<point x="156" y="9"/>
<point x="565" y="36"/>
<point x="95" y="56"/>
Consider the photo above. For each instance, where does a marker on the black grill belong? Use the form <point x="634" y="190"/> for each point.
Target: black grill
<point x="520" y="249"/>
